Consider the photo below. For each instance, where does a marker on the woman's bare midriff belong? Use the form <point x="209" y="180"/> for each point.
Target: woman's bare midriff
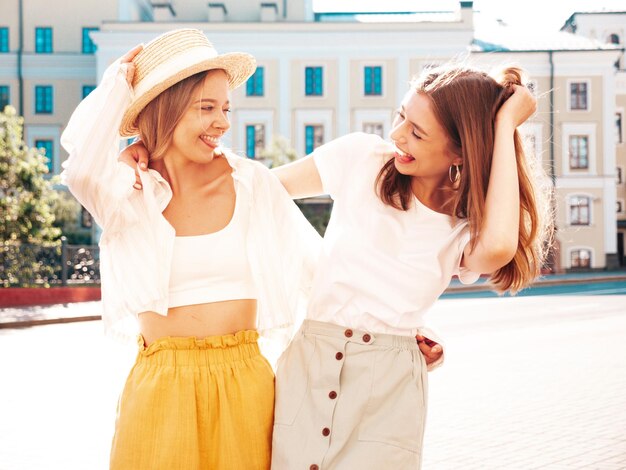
<point x="200" y="321"/>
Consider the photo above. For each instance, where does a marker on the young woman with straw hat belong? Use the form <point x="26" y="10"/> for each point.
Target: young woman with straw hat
<point x="210" y="253"/>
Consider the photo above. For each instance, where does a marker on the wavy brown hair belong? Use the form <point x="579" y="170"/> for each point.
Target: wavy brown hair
<point x="159" y="118"/>
<point x="465" y="102"/>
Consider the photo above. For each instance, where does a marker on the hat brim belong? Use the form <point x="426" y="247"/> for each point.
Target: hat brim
<point x="239" y="66"/>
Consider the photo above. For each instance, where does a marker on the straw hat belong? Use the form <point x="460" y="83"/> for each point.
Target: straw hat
<point x="172" y="57"/>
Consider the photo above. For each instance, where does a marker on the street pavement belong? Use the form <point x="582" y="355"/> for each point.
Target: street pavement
<point x="528" y="383"/>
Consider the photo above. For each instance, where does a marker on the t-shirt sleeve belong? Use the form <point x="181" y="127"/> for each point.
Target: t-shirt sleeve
<point x="466" y="276"/>
<point x="341" y="159"/>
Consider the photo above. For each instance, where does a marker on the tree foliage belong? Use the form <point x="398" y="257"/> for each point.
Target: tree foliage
<point x="67" y="217"/>
<point x="278" y="153"/>
<point x="29" y="241"/>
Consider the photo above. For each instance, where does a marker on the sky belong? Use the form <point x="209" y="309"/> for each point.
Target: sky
<point x="537" y="14"/>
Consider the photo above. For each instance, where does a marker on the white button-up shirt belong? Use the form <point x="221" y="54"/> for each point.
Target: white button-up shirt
<point x="137" y="241"/>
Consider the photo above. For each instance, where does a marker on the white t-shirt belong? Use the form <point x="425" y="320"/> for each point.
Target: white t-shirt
<point x="381" y="269"/>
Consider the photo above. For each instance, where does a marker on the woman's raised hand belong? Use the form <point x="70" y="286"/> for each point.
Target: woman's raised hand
<point x="518" y="107"/>
<point x="128" y="59"/>
<point x="135" y="156"/>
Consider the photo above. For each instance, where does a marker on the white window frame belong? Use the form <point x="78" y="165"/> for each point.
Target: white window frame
<point x="383" y="73"/>
<point x="571" y="129"/>
<point x="568" y="218"/>
<point x="324" y="81"/>
<point x="571" y="249"/>
<point x="568" y="97"/>
<point x="310" y="117"/>
<point x="362" y="116"/>
<point x="265" y="139"/>
<point x="41" y="132"/>
<point x="246" y="117"/>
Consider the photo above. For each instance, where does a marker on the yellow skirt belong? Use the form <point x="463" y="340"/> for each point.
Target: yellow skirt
<point x="194" y="404"/>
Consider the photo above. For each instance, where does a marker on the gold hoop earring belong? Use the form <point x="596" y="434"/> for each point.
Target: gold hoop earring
<point x="456" y="180"/>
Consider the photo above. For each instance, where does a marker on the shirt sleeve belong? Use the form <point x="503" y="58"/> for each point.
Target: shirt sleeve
<point x="465" y="275"/>
<point x="92" y="172"/>
<point x="283" y="255"/>
<point x="339" y="160"/>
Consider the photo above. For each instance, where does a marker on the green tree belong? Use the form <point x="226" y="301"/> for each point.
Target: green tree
<point x="67" y="215"/>
<point x="278" y="153"/>
<point x="29" y="242"/>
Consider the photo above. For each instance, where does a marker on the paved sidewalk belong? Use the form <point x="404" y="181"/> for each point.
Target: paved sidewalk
<point x="46" y="314"/>
<point x="528" y="383"/>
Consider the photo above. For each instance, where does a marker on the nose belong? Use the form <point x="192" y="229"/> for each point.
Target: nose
<point x="396" y="134"/>
<point x="221" y="122"/>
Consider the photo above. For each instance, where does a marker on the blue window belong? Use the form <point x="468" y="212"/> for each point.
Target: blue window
<point x="43" y="40"/>
<point x="255" y="84"/>
<point x="88" y="89"/>
<point x="43" y="99"/>
<point x="373" y="83"/>
<point x="5" y="96"/>
<point x="314" y="85"/>
<point x="313" y="138"/>
<point x="47" y="145"/>
<point x="255" y="140"/>
<point x="88" y="45"/>
<point x="4" y="39"/>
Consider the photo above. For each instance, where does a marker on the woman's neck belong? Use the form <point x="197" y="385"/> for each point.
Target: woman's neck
<point x="433" y="193"/>
<point x="187" y="176"/>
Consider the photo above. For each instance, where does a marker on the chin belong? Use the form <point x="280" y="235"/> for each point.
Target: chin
<point x="205" y="155"/>
<point x="402" y="169"/>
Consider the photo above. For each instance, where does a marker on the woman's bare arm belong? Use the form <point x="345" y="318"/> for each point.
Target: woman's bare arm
<point x="300" y="178"/>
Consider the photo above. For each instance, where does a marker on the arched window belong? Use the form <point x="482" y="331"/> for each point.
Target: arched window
<point x="613" y="39"/>
<point x="580" y="258"/>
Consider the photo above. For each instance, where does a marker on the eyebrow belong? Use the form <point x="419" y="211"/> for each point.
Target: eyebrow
<point x="422" y="131"/>
<point x="210" y="100"/>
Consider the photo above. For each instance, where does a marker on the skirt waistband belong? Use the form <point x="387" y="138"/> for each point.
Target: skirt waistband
<point x="358" y="336"/>
<point x="201" y="351"/>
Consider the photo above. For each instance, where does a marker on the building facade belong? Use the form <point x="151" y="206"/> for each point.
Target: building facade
<point x="610" y="27"/>
<point x="322" y="75"/>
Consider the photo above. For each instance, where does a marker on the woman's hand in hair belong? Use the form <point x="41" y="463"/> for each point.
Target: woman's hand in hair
<point x="135" y="156"/>
<point x="517" y="108"/>
<point x="128" y="59"/>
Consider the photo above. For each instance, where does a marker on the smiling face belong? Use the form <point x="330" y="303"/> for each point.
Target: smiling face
<point x="198" y="133"/>
<point x="424" y="148"/>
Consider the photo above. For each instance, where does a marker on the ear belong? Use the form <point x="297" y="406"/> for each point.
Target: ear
<point x="455" y="157"/>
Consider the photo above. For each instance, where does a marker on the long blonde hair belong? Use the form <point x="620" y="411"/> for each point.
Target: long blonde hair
<point x="465" y="102"/>
<point x="159" y="118"/>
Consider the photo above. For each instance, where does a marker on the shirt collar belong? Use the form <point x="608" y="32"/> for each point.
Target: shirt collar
<point x="242" y="173"/>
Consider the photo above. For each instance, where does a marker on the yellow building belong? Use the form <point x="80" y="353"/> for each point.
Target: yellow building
<point x="322" y="75"/>
<point x="609" y="27"/>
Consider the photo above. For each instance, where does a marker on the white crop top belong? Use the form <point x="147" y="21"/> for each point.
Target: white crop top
<point x="213" y="267"/>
